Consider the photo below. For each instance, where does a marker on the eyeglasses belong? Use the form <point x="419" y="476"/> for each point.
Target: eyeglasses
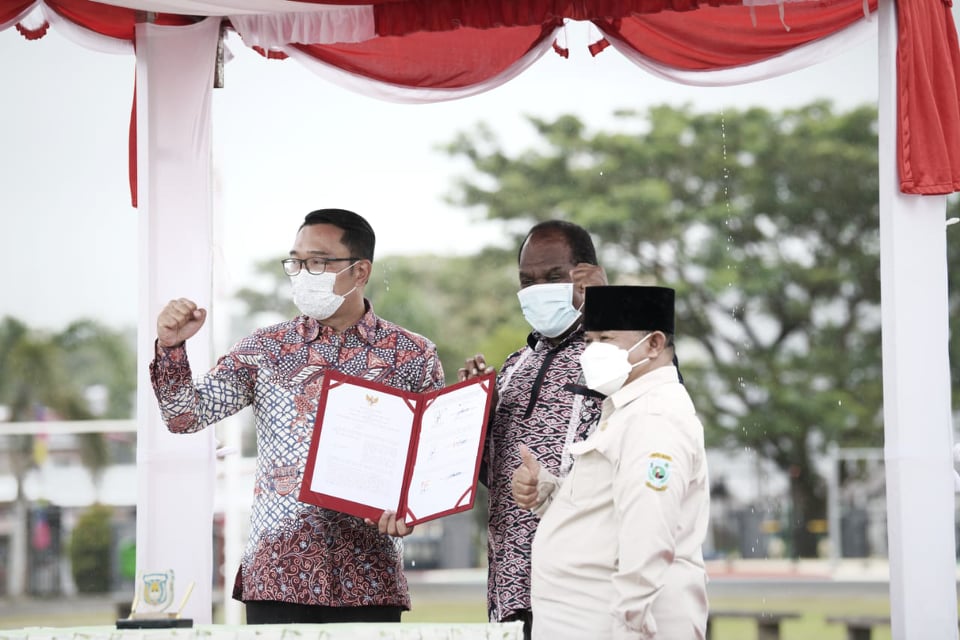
<point x="316" y="266"/>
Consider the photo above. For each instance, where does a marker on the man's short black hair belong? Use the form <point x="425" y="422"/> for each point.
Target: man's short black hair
<point x="358" y="235"/>
<point x="577" y="238"/>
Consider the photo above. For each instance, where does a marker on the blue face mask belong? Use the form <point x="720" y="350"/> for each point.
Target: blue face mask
<point x="549" y="307"/>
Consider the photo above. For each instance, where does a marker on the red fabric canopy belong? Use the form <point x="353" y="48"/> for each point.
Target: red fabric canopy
<point x="478" y="44"/>
<point x="470" y="56"/>
<point x="10" y="9"/>
<point x="410" y="16"/>
<point x="717" y="38"/>
<point x="109" y="20"/>
<point x="481" y="39"/>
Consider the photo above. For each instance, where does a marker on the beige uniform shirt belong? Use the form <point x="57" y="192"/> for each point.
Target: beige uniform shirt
<point x="617" y="553"/>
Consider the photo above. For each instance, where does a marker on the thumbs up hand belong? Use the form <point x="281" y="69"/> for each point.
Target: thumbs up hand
<point x="524" y="482"/>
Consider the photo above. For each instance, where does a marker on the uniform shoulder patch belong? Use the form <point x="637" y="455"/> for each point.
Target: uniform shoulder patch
<point x="658" y="471"/>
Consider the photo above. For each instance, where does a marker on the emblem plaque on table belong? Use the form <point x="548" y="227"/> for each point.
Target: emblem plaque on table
<point x="153" y="598"/>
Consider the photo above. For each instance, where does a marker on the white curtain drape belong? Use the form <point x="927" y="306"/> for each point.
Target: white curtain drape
<point x="271" y="31"/>
<point x="175" y="472"/>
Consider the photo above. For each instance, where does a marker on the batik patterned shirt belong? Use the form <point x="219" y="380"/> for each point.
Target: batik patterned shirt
<point x="298" y="552"/>
<point x="544" y="405"/>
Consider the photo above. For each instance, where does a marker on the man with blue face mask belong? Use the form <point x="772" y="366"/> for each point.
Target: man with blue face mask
<point x="618" y="552"/>
<point x="541" y="401"/>
<point x="302" y="563"/>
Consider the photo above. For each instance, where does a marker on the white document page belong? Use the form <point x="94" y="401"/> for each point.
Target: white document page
<point x="363" y="445"/>
<point x="447" y="451"/>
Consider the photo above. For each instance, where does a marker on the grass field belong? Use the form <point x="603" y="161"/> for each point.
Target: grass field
<point x="812" y="624"/>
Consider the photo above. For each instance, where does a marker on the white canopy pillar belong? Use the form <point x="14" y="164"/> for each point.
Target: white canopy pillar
<point x="916" y="385"/>
<point x="175" y="473"/>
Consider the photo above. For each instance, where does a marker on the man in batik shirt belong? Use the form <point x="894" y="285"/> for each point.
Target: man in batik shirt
<point x="302" y="563"/>
<point x="541" y="401"/>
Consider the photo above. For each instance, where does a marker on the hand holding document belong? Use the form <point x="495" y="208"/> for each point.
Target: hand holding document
<point x="376" y="448"/>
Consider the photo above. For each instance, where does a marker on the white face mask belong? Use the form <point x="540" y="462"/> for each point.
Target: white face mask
<point x="549" y="308"/>
<point x="313" y="293"/>
<point x="606" y="366"/>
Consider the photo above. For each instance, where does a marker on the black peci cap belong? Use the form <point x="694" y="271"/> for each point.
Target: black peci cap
<point x="628" y="308"/>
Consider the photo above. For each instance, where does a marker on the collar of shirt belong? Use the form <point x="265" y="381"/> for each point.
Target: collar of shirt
<point x="536" y="341"/>
<point x="642" y="385"/>
<point x="366" y="326"/>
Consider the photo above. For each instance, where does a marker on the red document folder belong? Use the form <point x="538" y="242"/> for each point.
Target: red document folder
<point x="376" y="448"/>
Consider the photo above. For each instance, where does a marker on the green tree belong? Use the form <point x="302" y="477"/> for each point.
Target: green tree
<point x="98" y="357"/>
<point x="767" y="226"/>
<point x="465" y="304"/>
<point x="13" y="334"/>
<point x="45" y="376"/>
<point x="90" y="550"/>
<point x="33" y="382"/>
<point x="953" y="276"/>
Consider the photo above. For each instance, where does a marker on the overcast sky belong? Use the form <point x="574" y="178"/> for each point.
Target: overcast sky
<point x="287" y="142"/>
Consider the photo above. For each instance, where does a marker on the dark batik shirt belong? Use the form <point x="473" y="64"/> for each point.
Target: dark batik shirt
<point x="544" y="405"/>
<point x="299" y="552"/>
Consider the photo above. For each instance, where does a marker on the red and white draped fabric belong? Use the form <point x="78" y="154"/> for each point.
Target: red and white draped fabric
<point x="388" y="49"/>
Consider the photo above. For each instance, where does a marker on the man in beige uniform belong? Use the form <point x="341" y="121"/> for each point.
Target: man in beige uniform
<point x="617" y="553"/>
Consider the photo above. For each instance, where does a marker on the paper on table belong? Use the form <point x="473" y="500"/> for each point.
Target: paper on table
<point x="366" y="437"/>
